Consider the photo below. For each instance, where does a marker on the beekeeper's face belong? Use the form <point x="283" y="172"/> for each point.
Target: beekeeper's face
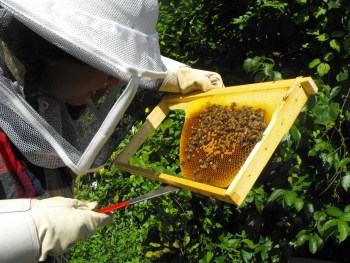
<point x="74" y="83"/>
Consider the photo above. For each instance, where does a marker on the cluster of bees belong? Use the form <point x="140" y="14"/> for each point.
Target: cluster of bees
<point x="217" y="141"/>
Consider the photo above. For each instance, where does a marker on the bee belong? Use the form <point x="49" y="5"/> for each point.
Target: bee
<point x="194" y="179"/>
<point x="183" y="162"/>
<point x="188" y="157"/>
<point x="245" y="144"/>
<point x="212" y="199"/>
<point x="196" y="171"/>
<point x="208" y="178"/>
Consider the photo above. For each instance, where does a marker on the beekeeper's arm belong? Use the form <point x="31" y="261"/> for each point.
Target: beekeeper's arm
<point x="184" y="79"/>
<point x="32" y="229"/>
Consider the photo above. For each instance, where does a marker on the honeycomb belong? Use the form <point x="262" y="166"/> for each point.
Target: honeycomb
<point x="216" y="142"/>
<point x="226" y="163"/>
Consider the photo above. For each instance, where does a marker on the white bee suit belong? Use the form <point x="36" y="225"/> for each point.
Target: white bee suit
<point x="116" y="37"/>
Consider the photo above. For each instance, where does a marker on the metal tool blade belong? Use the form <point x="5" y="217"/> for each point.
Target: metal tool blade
<point x="159" y="192"/>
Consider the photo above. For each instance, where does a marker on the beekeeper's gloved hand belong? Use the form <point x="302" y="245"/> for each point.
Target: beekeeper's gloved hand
<point x="183" y="79"/>
<point x="62" y="222"/>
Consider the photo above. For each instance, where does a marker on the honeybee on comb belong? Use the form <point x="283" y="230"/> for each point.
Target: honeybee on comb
<point x="216" y="141"/>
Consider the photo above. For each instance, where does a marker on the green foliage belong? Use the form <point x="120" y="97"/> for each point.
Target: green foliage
<point x="300" y="204"/>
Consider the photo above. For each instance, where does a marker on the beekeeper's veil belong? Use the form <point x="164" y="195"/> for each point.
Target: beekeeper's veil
<point x="117" y="37"/>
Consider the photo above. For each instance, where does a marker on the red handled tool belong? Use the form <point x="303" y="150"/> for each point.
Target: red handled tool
<point x="159" y="192"/>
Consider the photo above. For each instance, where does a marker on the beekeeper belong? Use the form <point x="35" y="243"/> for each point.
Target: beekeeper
<point x="57" y="58"/>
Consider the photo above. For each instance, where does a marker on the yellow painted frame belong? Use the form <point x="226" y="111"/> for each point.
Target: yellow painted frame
<point x="282" y="120"/>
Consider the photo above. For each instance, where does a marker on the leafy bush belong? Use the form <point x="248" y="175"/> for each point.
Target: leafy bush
<point x="300" y="204"/>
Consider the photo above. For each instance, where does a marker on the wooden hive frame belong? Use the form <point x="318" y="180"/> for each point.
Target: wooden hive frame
<point x="282" y="120"/>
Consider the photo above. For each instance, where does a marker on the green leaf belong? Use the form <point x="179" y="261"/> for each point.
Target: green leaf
<point x="116" y="198"/>
<point x="259" y="77"/>
<point x="301" y="239"/>
<point x="299" y="204"/>
<point x="335" y="44"/>
<point x="276" y="194"/>
<point x="328" y="56"/>
<point x="313" y="245"/>
<point x="345" y="181"/>
<point x="176" y="244"/>
<point x="248" y="242"/>
<point x="325" y="114"/>
<point x="149" y="254"/>
<point x="166" y="124"/>
<point x="156" y="254"/>
<point x="334" y="92"/>
<point x="303" y="17"/>
<point x="323" y="69"/>
<point x="154" y="244"/>
<point x="323" y="37"/>
<point x="247" y="254"/>
<point x="145" y="157"/>
<point x="166" y="250"/>
<point x="276" y="75"/>
<point x="343" y="230"/>
<point x="329" y="228"/>
<point x="290" y="197"/>
<point x="347" y="209"/>
<point x="309" y="210"/>
<point x="345" y="216"/>
<point x="264" y="254"/>
<point x="343" y="76"/>
<point x="333" y="4"/>
<point x="209" y="256"/>
<point x="314" y="63"/>
<point x="295" y="133"/>
<point x="268" y="69"/>
<point x="250" y="63"/>
<point x="334" y="211"/>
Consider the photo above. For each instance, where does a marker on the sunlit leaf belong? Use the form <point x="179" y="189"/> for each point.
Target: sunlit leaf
<point x="334" y="211"/>
<point x="301" y="240"/>
<point x="314" y="63"/>
<point x="295" y="133"/>
<point x="345" y="181"/>
<point x="335" y="44"/>
<point x="299" y="204"/>
<point x="323" y="69"/>
<point x="154" y="244"/>
<point x="343" y="230"/>
<point x="276" y="194"/>
<point x="313" y="245"/>
<point x="290" y="197"/>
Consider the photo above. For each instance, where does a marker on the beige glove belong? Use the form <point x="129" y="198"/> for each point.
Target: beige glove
<point x="183" y="79"/>
<point x="62" y="222"/>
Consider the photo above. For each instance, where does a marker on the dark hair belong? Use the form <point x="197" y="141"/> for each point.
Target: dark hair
<point x="33" y="51"/>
